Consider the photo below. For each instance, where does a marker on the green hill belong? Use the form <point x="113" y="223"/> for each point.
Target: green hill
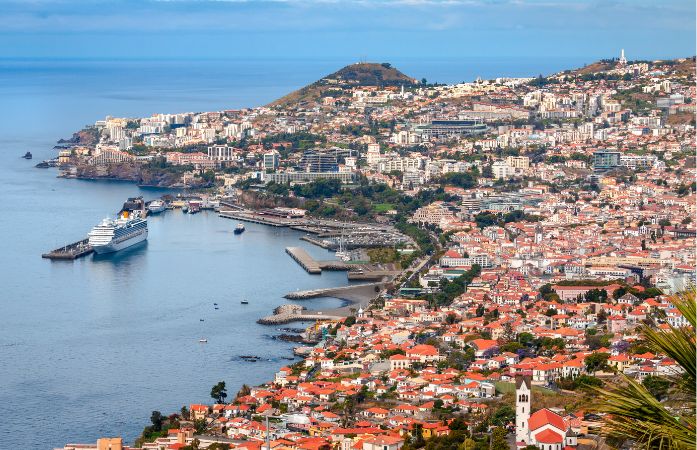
<point x="360" y="74"/>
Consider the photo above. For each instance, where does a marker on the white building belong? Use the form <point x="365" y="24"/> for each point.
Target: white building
<point x="544" y="429"/>
<point x="501" y="170"/>
<point x="271" y="160"/>
<point x="221" y="153"/>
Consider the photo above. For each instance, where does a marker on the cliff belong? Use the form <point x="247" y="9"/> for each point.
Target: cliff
<point x="131" y="171"/>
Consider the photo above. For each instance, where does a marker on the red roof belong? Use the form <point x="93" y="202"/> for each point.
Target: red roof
<point x="549" y="437"/>
<point x="546" y="417"/>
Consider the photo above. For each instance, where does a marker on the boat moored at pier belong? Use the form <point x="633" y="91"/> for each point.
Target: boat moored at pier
<point x="112" y="235"/>
<point x="156" y="207"/>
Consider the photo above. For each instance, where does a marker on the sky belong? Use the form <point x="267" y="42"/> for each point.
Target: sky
<point x="359" y="29"/>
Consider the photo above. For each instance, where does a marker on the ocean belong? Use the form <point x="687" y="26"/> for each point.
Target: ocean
<point x="89" y="348"/>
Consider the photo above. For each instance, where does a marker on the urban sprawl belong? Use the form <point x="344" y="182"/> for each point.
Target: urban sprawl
<point x="546" y="222"/>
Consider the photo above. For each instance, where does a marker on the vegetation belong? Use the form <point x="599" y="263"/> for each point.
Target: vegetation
<point x="450" y="290"/>
<point x="218" y="392"/>
<point x="635" y="414"/>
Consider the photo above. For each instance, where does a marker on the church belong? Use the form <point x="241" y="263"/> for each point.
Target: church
<point x="543" y="428"/>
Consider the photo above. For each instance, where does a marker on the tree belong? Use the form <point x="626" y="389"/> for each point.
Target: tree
<point x="657" y="386"/>
<point x="596" y="361"/>
<point x="218" y="446"/>
<point x="244" y="391"/>
<point x="498" y="439"/>
<point x="633" y="411"/>
<point x="156" y="419"/>
<point x="526" y="338"/>
<point x="218" y="392"/>
<point x="503" y="416"/>
<point x="467" y="444"/>
<point x="184" y="412"/>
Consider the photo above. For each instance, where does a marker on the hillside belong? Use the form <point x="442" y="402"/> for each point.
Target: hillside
<point x="360" y="74"/>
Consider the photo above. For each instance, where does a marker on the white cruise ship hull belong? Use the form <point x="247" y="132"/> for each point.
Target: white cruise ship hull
<point x="112" y="246"/>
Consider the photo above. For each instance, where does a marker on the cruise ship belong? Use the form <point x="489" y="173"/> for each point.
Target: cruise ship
<point x="113" y="235"/>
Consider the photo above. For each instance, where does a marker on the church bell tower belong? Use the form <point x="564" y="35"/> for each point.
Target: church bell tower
<point x="523" y="401"/>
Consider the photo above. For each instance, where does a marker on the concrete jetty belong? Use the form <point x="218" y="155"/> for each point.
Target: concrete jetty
<point x="70" y="251"/>
<point x="294" y="313"/>
<point x="304" y="259"/>
<point x="339" y="292"/>
<point x="316" y="242"/>
<point x="311" y="265"/>
<point x="246" y="216"/>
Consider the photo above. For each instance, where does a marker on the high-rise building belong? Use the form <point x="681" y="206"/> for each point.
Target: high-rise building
<point x="606" y="160"/>
<point x="315" y="161"/>
<point x="221" y="153"/>
<point x="271" y="160"/>
<point x="501" y="170"/>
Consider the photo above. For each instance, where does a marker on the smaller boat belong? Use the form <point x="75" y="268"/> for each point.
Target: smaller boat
<point x="27" y="155"/>
<point x="239" y="229"/>
<point x="203" y="341"/>
<point x="216" y="307"/>
<point x="156" y="206"/>
<point x="244" y="302"/>
<point x="343" y="256"/>
<point x="215" y="304"/>
<point x="194" y="207"/>
<point x="200" y="320"/>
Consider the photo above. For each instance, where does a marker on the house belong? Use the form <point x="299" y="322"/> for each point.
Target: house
<point x="616" y="324"/>
<point x="383" y="443"/>
<point x="399" y="362"/>
<point x="198" y="412"/>
<point x="482" y="346"/>
<point x="423" y="353"/>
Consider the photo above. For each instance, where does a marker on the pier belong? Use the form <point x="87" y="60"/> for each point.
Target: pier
<point x="294" y="313"/>
<point x="255" y="218"/>
<point x="316" y="242"/>
<point x="311" y="265"/>
<point x="70" y="251"/>
<point x="304" y="259"/>
<point x="335" y="291"/>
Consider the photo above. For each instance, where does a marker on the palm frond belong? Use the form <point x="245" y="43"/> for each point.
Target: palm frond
<point x="679" y="343"/>
<point x="635" y="414"/>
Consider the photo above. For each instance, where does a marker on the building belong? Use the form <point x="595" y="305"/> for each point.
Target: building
<point x="606" y="160"/>
<point x="523" y="400"/>
<point x="432" y="214"/>
<point x="622" y="61"/>
<point x="102" y="444"/>
<point x="300" y="177"/>
<point x="518" y="162"/>
<point x="638" y="161"/>
<point x="501" y="170"/>
<point x="315" y="161"/>
<point x="444" y="127"/>
<point x="544" y="429"/>
<point x="111" y="156"/>
<point x="383" y="443"/>
<point x="221" y="153"/>
<point x="271" y="160"/>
